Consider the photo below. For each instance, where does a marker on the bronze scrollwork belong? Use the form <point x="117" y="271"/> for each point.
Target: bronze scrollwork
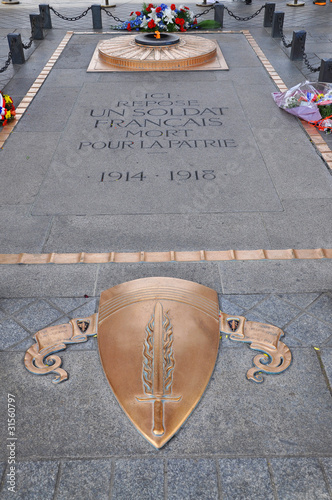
<point x="39" y="357"/>
<point x="262" y="337"/>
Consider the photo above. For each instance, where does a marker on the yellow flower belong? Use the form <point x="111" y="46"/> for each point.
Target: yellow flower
<point x="8" y="115"/>
<point x="7" y="98"/>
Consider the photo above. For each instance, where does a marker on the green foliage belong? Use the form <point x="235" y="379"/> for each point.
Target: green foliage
<point x="326" y="110"/>
<point x="208" y="24"/>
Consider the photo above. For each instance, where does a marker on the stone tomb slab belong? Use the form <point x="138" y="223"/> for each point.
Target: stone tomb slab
<point x="178" y="149"/>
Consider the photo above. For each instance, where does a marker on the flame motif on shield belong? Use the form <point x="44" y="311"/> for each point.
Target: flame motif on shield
<point x="158" y="342"/>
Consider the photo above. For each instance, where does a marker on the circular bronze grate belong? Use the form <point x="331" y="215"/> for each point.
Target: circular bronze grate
<point x="123" y="52"/>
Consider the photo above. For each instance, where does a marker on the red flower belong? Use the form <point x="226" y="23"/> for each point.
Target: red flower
<point x="128" y="27"/>
<point x="177" y="20"/>
<point x="138" y="13"/>
<point x="182" y="28"/>
<point x="195" y="21"/>
<point x="150" y="5"/>
<point x="151" y="24"/>
<point x="158" y="9"/>
<point x="173" y="6"/>
<point x="182" y="21"/>
<point x="187" y="8"/>
<point x="131" y="13"/>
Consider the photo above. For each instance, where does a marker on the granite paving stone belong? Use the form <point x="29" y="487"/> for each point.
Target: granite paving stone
<point x="179" y="232"/>
<point x="34" y="480"/>
<point x="326" y="357"/>
<point x="88" y="479"/>
<point x="287" y="414"/>
<point x="205" y="273"/>
<point x="22" y="178"/>
<point x="322" y="308"/>
<point x="141" y="479"/>
<point x="187" y="479"/>
<point x="299" y="479"/>
<point x="302" y="300"/>
<point x="56" y="106"/>
<point x="38" y="315"/>
<point x="11" y="306"/>
<point x="245" y="301"/>
<point x="309" y="330"/>
<point x="277" y="276"/>
<point x="230" y="308"/>
<point x="11" y="333"/>
<point x="242" y="479"/>
<point x="276" y="311"/>
<point x="305" y="220"/>
<point x="327" y="464"/>
<point x="2" y="316"/>
<point x="46" y="281"/>
<point x="68" y="304"/>
<point x="85" y="310"/>
<point x="22" y="234"/>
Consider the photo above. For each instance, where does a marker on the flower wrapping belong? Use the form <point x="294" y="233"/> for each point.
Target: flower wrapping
<point x="310" y="101"/>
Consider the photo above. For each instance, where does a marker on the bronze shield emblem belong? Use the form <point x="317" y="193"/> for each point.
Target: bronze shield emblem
<point x="158" y="342"/>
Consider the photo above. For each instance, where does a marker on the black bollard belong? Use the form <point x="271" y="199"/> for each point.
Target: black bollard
<point x="268" y="14"/>
<point x="219" y="13"/>
<point x="277" y="23"/>
<point x="325" y="73"/>
<point x="16" y="48"/>
<point x="96" y="17"/>
<point x="44" y="11"/>
<point x="298" y="43"/>
<point x="36" y="27"/>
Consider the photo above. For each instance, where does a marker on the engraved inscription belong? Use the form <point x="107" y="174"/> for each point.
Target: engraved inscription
<point x="157" y="122"/>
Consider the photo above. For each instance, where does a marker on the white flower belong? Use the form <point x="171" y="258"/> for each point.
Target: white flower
<point x="168" y="16"/>
<point x="153" y="15"/>
<point x="144" y="22"/>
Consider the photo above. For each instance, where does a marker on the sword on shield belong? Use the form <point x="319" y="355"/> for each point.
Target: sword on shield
<point x="158" y="366"/>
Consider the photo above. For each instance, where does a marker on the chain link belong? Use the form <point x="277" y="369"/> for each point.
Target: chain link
<point x="308" y="65"/>
<point x="76" y="18"/>
<point x="287" y="45"/>
<point x="7" y="63"/>
<point x="206" y="11"/>
<point x="111" y="15"/>
<point x="28" y="45"/>
<point x="238" y="18"/>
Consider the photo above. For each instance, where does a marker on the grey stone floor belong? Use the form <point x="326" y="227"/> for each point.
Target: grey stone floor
<point x="244" y="440"/>
<point x="274" y="444"/>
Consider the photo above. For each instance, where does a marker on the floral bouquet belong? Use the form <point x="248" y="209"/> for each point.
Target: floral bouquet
<point x="7" y="109"/>
<point x="311" y="102"/>
<point x="163" y="18"/>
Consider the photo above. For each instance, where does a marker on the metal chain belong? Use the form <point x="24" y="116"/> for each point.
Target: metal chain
<point x="206" y="11"/>
<point x="28" y="45"/>
<point x="111" y="15"/>
<point x="238" y="18"/>
<point x="308" y="65"/>
<point x="287" y="45"/>
<point x="7" y="63"/>
<point x="76" y="18"/>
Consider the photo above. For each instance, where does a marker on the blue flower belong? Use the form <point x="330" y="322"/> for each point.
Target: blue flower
<point x="163" y="6"/>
